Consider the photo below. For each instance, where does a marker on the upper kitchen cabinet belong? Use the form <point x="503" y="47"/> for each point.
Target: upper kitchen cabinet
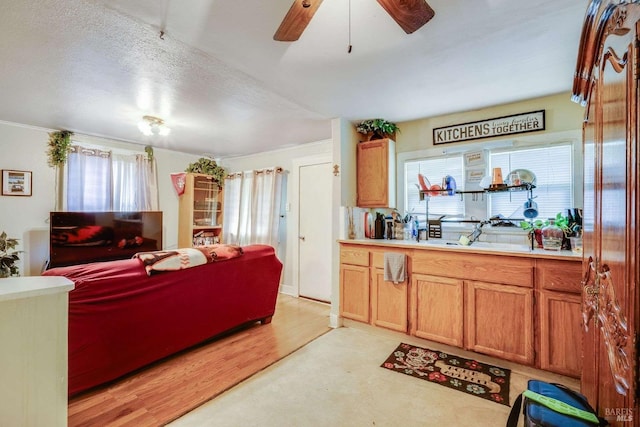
<point x="376" y="174"/>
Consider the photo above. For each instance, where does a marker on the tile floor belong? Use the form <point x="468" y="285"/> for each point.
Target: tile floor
<point x="336" y="380"/>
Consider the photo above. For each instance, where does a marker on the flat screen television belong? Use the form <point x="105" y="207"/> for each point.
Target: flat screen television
<point x="83" y="237"/>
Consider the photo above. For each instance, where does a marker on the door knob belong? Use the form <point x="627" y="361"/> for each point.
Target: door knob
<point x="301" y="238"/>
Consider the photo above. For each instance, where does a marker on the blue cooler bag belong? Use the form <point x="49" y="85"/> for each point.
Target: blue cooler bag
<point x="553" y="405"/>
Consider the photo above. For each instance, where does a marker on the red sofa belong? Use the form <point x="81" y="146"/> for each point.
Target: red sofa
<point x="120" y="319"/>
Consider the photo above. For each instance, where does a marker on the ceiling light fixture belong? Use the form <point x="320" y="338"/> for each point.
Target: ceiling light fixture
<point x="153" y="126"/>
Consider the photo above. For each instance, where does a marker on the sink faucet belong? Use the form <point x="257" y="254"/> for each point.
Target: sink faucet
<point x="477" y="231"/>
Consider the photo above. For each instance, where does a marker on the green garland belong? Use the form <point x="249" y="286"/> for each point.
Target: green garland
<point x="59" y="145"/>
<point x="208" y="167"/>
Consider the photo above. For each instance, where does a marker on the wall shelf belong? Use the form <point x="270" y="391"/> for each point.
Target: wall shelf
<point x="425" y="195"/>
<point x="508" y="188"/>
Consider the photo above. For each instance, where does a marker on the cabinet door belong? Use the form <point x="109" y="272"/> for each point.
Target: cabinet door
<point x="438" y="303"/>
<point x="200" y="212"/>
<point x="560" y="333"/>
<point x="373" y="174"/>
<point x="500" y="321"/>
<point x="354" y="292"/>
<point x="389" y="303"/>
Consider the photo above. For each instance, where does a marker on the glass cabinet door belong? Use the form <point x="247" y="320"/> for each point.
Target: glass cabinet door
<point x="207" y="211"/>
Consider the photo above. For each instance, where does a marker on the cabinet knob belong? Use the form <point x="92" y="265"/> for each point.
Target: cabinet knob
<point x="301" y="238"/>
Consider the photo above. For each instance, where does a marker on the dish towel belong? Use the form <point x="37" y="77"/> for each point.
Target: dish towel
<point x="394" y="267"/>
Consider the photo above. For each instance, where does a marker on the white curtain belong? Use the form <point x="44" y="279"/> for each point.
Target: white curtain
<point x="102" y="181"/>
<point x="252" y="207"/>
<point x="148" y="198"/>
<point x="88" y="180"/>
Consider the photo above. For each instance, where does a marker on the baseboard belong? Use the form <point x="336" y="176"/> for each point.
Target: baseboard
<point x="289" y="290"/>
<point x="335" y="321"/>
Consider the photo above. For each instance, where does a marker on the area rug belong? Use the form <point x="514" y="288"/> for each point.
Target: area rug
<point x="466" y="375"/>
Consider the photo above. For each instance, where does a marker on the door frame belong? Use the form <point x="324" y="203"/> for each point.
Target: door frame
<point x="294" y="215"/>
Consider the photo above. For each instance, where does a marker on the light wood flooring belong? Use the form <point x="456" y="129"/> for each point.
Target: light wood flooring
<point x="172" y="387"/>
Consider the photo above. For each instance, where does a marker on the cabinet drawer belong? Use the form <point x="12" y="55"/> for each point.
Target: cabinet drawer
<point x="490" y="268"/>
<point x="354" y="256"/>
<point x="377" y="258"/>
<point x="559" y="275"/>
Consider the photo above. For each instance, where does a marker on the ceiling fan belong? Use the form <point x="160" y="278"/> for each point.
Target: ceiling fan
<point x="409" y="14"/>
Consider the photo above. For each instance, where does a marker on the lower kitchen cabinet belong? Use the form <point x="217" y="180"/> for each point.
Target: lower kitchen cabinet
<point x="438" y="309"/>
<point x="560" y="314"/>
<point x="560" y="333"/>
<point x="479" y="302"/>
<point x="354" y="292"/>
<point x="499" y="321"/>
<point x="389" y="302"/>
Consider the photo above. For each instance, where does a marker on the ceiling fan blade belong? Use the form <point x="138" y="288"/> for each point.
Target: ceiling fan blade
<point x="296" y="20"/>
<point x="409" y="14"/>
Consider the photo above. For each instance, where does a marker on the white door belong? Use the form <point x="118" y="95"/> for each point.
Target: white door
<point x="314" y="231"/>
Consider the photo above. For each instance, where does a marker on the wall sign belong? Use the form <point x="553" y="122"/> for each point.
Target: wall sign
<point x="507" y="125"/>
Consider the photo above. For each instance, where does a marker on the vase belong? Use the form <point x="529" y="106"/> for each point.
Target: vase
<point x="375" y="135"/>
<point x="552" y="237"/>
<point x="537" y="234"/>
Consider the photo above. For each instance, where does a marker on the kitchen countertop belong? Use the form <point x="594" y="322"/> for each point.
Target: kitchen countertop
<point x="477" y="247"/>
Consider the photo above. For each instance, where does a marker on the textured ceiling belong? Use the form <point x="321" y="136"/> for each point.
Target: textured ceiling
<point x="225" y="87"/>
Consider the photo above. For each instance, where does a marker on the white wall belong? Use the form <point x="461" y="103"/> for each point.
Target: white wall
<point x="26" y="218"/>
<point x="284" y="158"/>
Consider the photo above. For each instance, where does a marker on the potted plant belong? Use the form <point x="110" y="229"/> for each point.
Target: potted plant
<point x="377" y="128"/>
<point x="208" y="167"/>
<point x="535" y="229"/>
<point x="560" y="221"/>
<point x="8" y="256"/>
<point x="59" y="144"/>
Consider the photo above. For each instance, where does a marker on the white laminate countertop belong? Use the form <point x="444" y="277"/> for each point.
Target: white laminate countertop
<point x="32" y="286"/>
<point x="477" y="247"/>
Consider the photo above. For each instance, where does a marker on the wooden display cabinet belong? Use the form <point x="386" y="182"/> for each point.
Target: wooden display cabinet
<point x="200" y="212"/>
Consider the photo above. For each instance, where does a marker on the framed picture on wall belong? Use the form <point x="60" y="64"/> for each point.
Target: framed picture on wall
<point x="16" y="183"/>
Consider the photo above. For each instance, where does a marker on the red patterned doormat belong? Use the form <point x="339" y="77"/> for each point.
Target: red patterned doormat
<point x="469" y="376"/>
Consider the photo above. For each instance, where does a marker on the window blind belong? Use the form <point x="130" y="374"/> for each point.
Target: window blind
<point x="552" y="166"/>
<point x="434" y="169"/>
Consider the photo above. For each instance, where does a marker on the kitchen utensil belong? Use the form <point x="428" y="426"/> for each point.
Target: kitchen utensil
<point x="526" y="176"/>
<point x="424" y="182"/>
<point x="367" y="226"/>
<point x="576" y="244"/>
<point x="449" y="184"/>
<point x="485" y="182"/>
<point x="514" y="179"/>
<point x="379" y="226"/>
<point x="530" y="209"/>
<point x="497" y="183"/>
<point x="496" y="177"/>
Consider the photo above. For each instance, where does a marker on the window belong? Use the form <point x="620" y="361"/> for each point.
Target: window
<point x="434" y="169"/>
<point x="100" y="180"/>
<point x="552" y="166"/>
